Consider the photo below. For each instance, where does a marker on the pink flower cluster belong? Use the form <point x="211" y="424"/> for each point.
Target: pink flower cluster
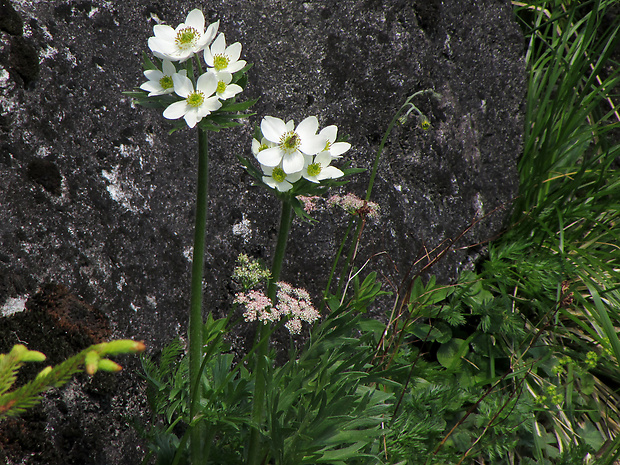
<point x="352" y="204"/>
<point x="257" y="306"/>
<point x="296" y="304"/>
<point x="308" y="202"/>
<point x="293" y="303"/>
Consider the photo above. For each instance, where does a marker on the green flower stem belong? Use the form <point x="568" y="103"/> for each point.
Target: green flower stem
<point x="278" y="257"/>
<point x="262" y="338"/>
<point x="360" y="224"/>
<point x="195" y="315"/>
<point x="336" y="259"/>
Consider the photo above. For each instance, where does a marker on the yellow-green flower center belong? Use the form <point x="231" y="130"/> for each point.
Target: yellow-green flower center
<point x="328" y="145"/>
<point x="262" y="147"/>
<point x="221" y="87"/>
<point x="166" y="82"/>
<point x="220" y="62"/>
<point x="195" y="99"/>
<point x="314" y="169"/>
<point x="289" y="142"/>
<point x="278" y="174"/>
<point x="186" y="38"/>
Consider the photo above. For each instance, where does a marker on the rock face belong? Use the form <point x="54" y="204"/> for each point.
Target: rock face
<point x="97" y="196"/>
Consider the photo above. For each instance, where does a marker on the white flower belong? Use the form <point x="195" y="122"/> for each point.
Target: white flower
<point x="276" y="178"/>
<point x="225" y="89"/>
<point x="160" y="82"/>
<point x="318" y="169"/>
<point x="181" y="43"/>
<point x="222" y="58"/>
<point x="336" y="149"/>
<point x="197" y="103"/>
<point x="290" y="145"/>
<point x="260" y="146"/>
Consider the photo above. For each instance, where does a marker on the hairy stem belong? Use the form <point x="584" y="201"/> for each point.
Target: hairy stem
<point x="262" y="338"/>
<point x="195" y="315"/>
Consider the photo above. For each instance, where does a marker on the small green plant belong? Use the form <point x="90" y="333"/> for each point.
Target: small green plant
<point x="92" y="359"/>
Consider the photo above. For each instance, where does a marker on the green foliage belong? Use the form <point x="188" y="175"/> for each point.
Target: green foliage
<point x="15" y="402"/>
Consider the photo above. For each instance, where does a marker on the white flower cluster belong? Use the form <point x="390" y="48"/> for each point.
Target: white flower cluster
<point x="293" y="303"/>
<point x="287" y="153"/>
<point x="178" y="45"/>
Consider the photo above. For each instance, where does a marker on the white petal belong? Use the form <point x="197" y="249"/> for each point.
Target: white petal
<point x="208" y="57"/>
<point x="168" y="68"/>
<point x="290" y="125"/>
<point x="210" y="104"/>
<point x="270" y="157"/>
<point x="324" y="158"/>
<point x="236" y="66"/>
<point x="270" y="181"/>
<point x="311" y="145"/>
<point x="331" y="172"/>
<point x="182" y="85"/>
<point x="176" y="110"/>
<point x="223" y="76"/>
<point x="284" y="186"/>
<point x="294" y="177"/>
<point x="255" y="146"/>
<point x="219" y="44"/>
<point x="267" y="169"/>
<point x="330" y="133"/>
<point x="164" y="32"/>
<point x="292" y="162"/>
<point x="307" y="127"/>
<point x="234" y="52"/>
<point x="153" y="88"/>
<point x="196" y="19"/>
<point x="207" y="83"/>
<point x="191" y="118"/>
<point x="231" y="91"/>
<point x="339" y="148"/>
<point x="159" y="47"/>
<point x="153" y="74"/>
<point x="305" y="174"/>
<point x="272" y="128"/>
<point x="210" y="32"/>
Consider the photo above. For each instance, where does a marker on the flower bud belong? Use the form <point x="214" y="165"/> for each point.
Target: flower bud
<point x="122" y="346"/>
<point x="22" y="354"/>
<point x="44" y="372"/>
<point x="91" y="361"/>
<point x="109" y="365"/>
<point x="33" y="356"/>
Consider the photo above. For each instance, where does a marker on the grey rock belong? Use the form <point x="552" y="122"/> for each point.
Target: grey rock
<point x="97" y="196"/>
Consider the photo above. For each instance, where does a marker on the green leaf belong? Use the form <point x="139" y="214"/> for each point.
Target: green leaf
<point x="449" y="354"/>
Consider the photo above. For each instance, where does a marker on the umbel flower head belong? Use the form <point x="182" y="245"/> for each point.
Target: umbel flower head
<point x="292" y="303"/>
<point x="197" y="103"/>
<point x="181" y="43"/>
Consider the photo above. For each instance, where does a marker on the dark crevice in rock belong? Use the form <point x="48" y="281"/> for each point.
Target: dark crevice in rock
<point x="45" y="173"/>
